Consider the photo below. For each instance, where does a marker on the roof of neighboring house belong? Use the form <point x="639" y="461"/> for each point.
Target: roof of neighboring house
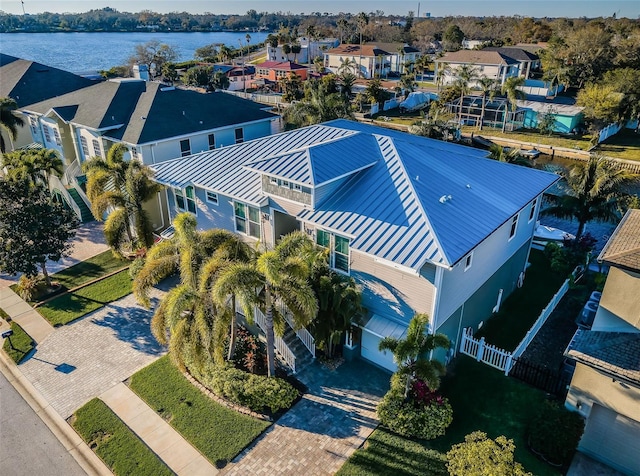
<point x="28" y="82"/>
<point x="393" y="48"/>
<point x="546" y="106"/>
<point x="421" y="199"/>
<point x="623" y="248"/>
<point x="621" y="295"/>
<point x="514" y="52"/>
<point x="615" y="353"/>
<point x="476" y="57"/>
<point x="357" y="50"/>
<point x="139" y="112"/>
<point x="281" y="65"/>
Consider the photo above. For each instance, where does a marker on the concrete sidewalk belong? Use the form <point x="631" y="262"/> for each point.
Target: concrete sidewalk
<point x="157" y="434"/>
<point x="23" y="314"/>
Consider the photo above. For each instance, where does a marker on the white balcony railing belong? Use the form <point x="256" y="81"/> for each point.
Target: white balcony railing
<point x="303" y="334"/>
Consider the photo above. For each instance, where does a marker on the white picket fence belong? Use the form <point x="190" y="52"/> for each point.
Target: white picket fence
<point x="503" y="359"/>
<point x="281" y="346"/>
<point x="303" y="334"/>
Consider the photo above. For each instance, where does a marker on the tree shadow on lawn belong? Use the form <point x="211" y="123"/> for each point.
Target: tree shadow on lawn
<point x="132" y="325"/>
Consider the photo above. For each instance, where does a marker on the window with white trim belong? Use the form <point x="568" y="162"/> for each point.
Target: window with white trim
<point x="514" y="227"/>
<point x="338" y="249"/>
<point x="468" y="261"/>
<point x="239" y="135"/>
<point x="34" y="126"/>
<point x="247" y="219"/>
<point x="180" y="204"/>
<point x="532" y="213"/>
<point x="85" y="146"/>
<point x="212" y="141"/>
<point x="47" y="133"/>
<point x="185" y="147"/>
<point x="212" y="197"/>
<point x="185" y="200"/>
<point x="56" y="134"/>
<point x="134" y="152"/>
<point x="96" y="148"/>
<point x="273" y="180"/>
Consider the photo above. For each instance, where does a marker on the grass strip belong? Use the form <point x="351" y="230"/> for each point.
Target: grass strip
<point x="218" y="432"/>
<point x="90" y="269"/>
<point x="21" y="343"/>
<point x="121" y="449"/>
<point x="3" y="314"/>
<point x="71" y="306"/>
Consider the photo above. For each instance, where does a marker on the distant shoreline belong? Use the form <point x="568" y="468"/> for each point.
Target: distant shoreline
<point x="140" y="30"/>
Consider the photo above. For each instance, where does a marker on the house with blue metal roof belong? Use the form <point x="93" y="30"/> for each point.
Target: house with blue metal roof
<point x="421" y="225"/>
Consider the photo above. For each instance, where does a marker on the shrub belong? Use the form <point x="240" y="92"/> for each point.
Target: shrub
<point x="573" y="253"/>
<point x="415" y="419"/>
<point x="136" y="265"/>
<point x="27" y="286"/>
<point x="482" y="456"/>
<point x="554" y="433"/>
<point x="250" y="352"/>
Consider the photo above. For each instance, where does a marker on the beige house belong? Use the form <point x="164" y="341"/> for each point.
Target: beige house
<point x="492" y="64"/>
<point x="605" y="388"/>
<point x="366" y="60"/>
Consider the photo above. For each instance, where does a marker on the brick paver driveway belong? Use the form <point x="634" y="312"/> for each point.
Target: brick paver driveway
<point x="82" y="360"/>
<point x="321" y="431"/>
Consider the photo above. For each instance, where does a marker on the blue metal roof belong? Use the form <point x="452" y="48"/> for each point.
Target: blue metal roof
<point x="322" y="162"/>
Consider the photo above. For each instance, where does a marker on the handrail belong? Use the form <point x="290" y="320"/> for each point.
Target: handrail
<point x="303" y="334"/>
<point x="56" y="184"/>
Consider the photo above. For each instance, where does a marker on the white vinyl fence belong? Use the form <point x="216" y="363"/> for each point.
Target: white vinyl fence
<point x="503" y="359"/>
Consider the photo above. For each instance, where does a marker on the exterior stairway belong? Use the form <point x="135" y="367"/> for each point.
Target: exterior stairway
<point x="303" y="356"/>
<point x="87" y="216"/>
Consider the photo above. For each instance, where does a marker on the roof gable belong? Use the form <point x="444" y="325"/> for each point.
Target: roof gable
<point x="623" y="248"/>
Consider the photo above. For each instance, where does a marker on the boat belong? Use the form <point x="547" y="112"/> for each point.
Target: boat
<point x="546" y="234"/>
<point x="530" y="154"/>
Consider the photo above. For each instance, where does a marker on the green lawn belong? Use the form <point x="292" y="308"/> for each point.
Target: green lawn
<point x="624" y="145"/>
<point x="71" y="306"/>
<point x="482" y="399"/>
<point x="521" y="309"/>
<point x="218" y="432"/>
<point x="3" y="314"/>
<point x="121" y="449"/>
<point x="90" y="269"/>
<point x="21" y="341"/>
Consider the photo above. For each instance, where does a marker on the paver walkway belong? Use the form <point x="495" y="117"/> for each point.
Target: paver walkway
<point x="157" y="434"/>
<point x="321" y="431"/>
<point x="84" y="359"/>
<point x="28" y="318"/>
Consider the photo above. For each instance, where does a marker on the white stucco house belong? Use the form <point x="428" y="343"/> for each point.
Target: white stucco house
<point x="421" y="225"/>
<point x="605" y="387"/>
<point x="491" y="64"/>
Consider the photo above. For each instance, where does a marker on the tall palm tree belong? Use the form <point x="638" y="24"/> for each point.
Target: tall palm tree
<point x="487" y="88"/>
<point x="121" y="187"/>
<point x="466" y="75"/>
<point x="594" y="190"/>
<point x="9" y="121"/>
<point x="348" y="65"/>
<point x="346" y="82"/>
<point x="224" y="53"/>
<point x="33" y="165"/>
<point x="318" y="106"/>
<point x="412" y="354"/>
<point x="443" y="70"/>
<point x="283" y="275"/>
<point x="513" y="94"/>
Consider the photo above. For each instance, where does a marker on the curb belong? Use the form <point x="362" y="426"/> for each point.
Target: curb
<point x="71" y="441"/>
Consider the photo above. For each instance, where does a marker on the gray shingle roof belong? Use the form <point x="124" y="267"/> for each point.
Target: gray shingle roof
<point x="514" y="52"/>
<point x="476" y="57"/>
<point x="623" y="248"/>
<point x="616" y="353"/>
<point x="140" y="112"/>
<point x="28" y="82"/>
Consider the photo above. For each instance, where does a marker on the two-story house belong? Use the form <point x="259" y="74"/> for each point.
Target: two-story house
<point x="364" y="60"/>
<point x="270" y="72"/>
<point x="605" y="387"/>
<point x="309" y="50"/>
<point x="492" y="64"/>
<point x="422" y="225"/>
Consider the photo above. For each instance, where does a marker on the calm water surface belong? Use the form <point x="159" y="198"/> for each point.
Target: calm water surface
<point x="84" y="52"/>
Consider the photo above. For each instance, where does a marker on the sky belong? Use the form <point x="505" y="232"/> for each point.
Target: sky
<point x="535" y="8"/>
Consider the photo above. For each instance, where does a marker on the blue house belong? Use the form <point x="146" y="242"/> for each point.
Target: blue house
<point x="421" y="225"/>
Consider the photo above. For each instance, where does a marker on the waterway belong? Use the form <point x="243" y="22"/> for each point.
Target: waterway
<point x="90" y="52"/>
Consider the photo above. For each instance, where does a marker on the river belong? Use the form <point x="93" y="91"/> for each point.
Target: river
<point x="90" y="52"/>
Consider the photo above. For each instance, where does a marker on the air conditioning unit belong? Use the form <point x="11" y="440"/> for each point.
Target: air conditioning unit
<point x="587" y="315"/>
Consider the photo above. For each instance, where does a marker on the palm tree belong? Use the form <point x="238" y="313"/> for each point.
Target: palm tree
<point x="224" y="53"/>
<point x="412" y="354"/>
<point x="348" y="65"/>
<point x="487" y="88"/>
<point x="283" y="275"/>
<point x="443" y="70"/>
<point x="513" y="94"/>
<point x="121" y="187"/>
<point x="346" y="82"/>
<point x="511" y="156"/>
<point x="408" y="83"/>
<point x="9" y="121"/>
<point x="466" y="74"/>
<point x="33" y="165"/>
<point x="318" y="106"/>
<point x="594" y="190"/>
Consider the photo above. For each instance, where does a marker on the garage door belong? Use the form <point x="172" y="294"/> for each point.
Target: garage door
<point x="369" y="350"/>
<point x="613" y="439"/>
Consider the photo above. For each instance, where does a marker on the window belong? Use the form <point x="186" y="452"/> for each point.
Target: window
<point x="532" y="213"/>
<point x="514" y="226"/>
<point x="212" y="197"/>
<point x="284" y="183"/>
<point x="83" y="144"/>
<point x="56" y="134"/>
<point x="47" y="133"/>
<point x="273" y="180"/>
<point x="297" y="187"/>
<point x="247" y="219"/>
<point x="185" y="147"/>
<point x="239" y="136"/>
<point x="191" y="199"/>
<point x="134" y="152"/>
<point x="179" y="198"/>
<point x="468" y="260"/>
<point x="212" y="141"/>
<point x="34" y="126"/>
<point x="338" y="247"/>
<point x="96" y="148"/>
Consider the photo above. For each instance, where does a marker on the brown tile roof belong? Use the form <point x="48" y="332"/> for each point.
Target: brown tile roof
<point x="615" y="353"/>
<point x="623" y="248"/>
<point x="354" y="50"/>
<point x="281" y="65"/>
<point x="476" y="57"/>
